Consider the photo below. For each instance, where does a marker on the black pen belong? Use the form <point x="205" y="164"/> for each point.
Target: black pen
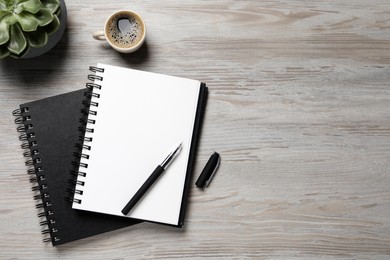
<point x="149" y="182"/>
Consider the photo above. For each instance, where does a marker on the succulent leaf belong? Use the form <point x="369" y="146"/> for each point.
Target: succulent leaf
<point x="29" y="22"/>
<point x="9" y="5"/>
<point x="18" y="56"/>
<point x="31" y="6"/>
<point x="19" y="1"/>
<point x="18" y="43"/>
<point x="9" y="19"/>
<point x="4" y="13"/>
<point x="4" y="27"/>
<point x="4" y="35"/>
<point x="52" y="5"/>
<point x="53" y="26"/>
<point x="44" y="17"/>
<point x="2" y="5"/>
<point x="37" y="38"/>
<point x="58" y="12"/>
<point x="25" y="24"/>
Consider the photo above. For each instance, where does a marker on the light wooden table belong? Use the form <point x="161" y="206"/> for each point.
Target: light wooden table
<point x="299" y="109"/>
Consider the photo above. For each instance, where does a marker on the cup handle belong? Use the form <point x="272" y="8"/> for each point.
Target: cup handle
<point x="99" y="35"/>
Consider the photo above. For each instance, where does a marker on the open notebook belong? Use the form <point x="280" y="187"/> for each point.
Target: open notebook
<point x="135" y="119"/>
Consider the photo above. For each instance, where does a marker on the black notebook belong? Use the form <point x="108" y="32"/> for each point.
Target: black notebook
<point x="135" y="119"/>
<point x="49" y="131"/>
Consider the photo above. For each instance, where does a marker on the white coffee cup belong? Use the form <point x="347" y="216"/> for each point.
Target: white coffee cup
<point x="124" y="30"/>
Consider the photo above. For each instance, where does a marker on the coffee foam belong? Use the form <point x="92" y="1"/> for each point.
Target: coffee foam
<point x="131" y="37"/>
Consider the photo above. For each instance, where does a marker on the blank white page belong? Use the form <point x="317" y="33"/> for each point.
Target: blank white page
<point x="141" y="118"/>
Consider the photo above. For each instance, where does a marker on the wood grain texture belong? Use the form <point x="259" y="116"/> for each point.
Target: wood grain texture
<point x="298" y="109"/>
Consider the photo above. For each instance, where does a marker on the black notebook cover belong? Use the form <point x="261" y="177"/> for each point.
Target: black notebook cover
<point x="50" y="130"/>
<point x="195" y="140"/>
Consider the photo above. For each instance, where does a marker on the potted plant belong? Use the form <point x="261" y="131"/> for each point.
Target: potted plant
<point x="29" y="28"/>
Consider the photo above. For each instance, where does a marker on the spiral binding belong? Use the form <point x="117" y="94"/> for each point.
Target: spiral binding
<point x="87" y="114"/>
<point x="31" y="151"/>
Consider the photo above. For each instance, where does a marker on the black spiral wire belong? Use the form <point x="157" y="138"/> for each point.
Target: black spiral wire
<point x="85" y="138"/>
<point x="35" y="169"/>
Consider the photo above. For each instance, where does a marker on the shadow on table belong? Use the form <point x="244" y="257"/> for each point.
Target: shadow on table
<point x="127" y="236"/>
<point x="39" y="69"/>
<point x="139" y="57"/>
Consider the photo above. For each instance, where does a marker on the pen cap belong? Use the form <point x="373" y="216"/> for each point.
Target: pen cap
<point x="208" y="171"/>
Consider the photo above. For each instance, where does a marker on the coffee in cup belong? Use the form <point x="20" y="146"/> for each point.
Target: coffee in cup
<point x="124" y="30"/>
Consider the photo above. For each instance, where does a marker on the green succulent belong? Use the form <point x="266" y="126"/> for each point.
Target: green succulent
<point x="25" y="24"/>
